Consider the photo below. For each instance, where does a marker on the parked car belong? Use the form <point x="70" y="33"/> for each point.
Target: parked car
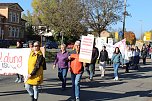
<point x="4" y="44"/>
<point x="25" y="45"/>
<point x="50" y="45"/>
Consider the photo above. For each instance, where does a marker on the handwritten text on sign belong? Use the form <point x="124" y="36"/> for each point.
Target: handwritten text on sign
<point x="14" y="61"/>
<point x="86" y="49"/>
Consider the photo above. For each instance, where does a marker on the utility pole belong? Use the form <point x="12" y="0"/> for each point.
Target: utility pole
<point x="124" y="13"/>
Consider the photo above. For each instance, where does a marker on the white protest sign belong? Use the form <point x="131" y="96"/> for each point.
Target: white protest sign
<point x="122" y="46"/>
<point x="110" y="41"/>
<point x="101" y="41"/>
<point x="110" y="49"/>
<point x="86" y="49"/>
<point x="14" y="61"/>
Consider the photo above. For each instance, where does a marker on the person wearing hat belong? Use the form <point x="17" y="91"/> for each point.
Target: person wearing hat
<point x="76" y="68"/>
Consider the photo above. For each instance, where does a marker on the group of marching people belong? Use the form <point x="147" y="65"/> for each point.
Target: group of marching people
<point x="69" y="61"/>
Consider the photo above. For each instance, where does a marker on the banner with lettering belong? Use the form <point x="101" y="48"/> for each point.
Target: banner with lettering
<point x="14" y="61"/>
<point x="110" y="48"/>
<point x="122" y="46"/>
<point x="86" y="49"/>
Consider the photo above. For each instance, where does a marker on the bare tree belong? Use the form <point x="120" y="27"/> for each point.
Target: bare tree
<point x="99" y="14"/>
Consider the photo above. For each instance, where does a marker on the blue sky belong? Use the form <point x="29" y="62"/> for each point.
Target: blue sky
<point x="140" y="11"/>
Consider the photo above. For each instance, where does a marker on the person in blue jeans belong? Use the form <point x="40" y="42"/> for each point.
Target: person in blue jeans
<point x="117" y="60"/>
<point x="90" y="67"/>
<point x="76" y="68"/>
<point x="62" y="61"/>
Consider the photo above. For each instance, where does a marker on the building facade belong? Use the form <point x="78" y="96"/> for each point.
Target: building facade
<point x="12" y="27"/>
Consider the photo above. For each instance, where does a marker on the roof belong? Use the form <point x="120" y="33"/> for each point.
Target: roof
<point x="10" y="4"/>
<point x="23" y="20"/>
<point x="2" y="15"/>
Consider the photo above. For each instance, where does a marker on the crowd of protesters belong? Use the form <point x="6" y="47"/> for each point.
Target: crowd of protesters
<point x="69" y="61"/>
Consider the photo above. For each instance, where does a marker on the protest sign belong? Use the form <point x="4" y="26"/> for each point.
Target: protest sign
<point x="139" y="44"/>
<point x="110" y="41"/>
<point x="86" y="49"/>
<point x="122" y="46"/>
<point x="101" y="41"/>
<point x="13" y="61"/>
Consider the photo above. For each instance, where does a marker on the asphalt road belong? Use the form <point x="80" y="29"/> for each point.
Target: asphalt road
<point x="133" y="86"/>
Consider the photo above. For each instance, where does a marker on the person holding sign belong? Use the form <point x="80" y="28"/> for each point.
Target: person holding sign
<point x="90" y="67"/>
<point x="102" y="60"/>
<point x="76" y="68"/>
<point x="117" y="60"/>
<point x="19" y="78"/>
<point x="35" y="71"/>
<point x="62" y="61"/>
<point x="127" y="58"/>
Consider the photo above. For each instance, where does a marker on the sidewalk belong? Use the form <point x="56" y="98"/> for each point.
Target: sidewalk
<point x="133" y="86"/>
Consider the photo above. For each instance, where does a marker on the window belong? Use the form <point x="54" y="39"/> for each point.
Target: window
<point x="17" y="17"/>
<point x="13" y="32"/>
<point x="17" y="32"/>
<point x="0" y="30"/>
<point x="10" y="31"/>
<point x="14" y="17"/>
<point x="10" y="16"/>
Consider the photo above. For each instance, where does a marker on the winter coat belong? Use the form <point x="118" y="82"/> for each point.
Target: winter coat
<point x="117" y="58"/>
<point x="103" y="56"/>
<point x="35" y="68"/>
<point x="95" y="54"/>
<point x="144" y="53"/>
<point x="76" y="67"/>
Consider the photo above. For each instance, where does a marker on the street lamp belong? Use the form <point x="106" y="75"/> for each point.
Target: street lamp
<point x="62" y="37"/>
<point x="141" y="22"/>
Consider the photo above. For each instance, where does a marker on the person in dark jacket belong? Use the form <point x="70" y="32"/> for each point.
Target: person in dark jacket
<point x="19" y="78"/>
<point x="90" y="68"/>
<point x="137" y="57"/>
<point x="102" y="60"/>
<point x="144" y="54"/>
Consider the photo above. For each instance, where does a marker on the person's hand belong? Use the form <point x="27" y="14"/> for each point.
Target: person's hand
<point x="84" y="64"/>
<point x="54" y="66"/>
<point x="69" y="58"/>
<point x="69" y="69"/>
<point x="29" y="76"/>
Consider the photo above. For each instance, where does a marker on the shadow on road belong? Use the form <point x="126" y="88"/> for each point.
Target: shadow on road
<point x="13" y="93"/>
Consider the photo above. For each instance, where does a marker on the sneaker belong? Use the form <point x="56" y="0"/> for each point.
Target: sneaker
<point x="116" y="78"/>
<point x="17" y="79"/>
<point x="91" y="79"/>
<point x="77" y="99"/>
<point x="102" y="76"/>
<point x="20" y="81"/>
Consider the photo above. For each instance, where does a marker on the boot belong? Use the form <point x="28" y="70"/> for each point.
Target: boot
<point x="32" y="98"/>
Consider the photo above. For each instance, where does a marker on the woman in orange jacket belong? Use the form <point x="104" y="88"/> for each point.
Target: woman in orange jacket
<point x="76" y="68"/>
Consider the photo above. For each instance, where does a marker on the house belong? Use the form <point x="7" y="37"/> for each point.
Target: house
<point x="12" y="27"/>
